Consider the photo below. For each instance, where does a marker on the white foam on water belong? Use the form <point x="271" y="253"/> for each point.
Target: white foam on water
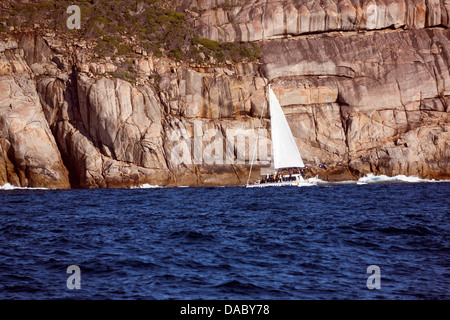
<point x="146" y="186"/>
<point x="314" y="181"/>
<point x="151" y="186"/>
<point x="8" y="186"/>
<point x="371" y="178"/>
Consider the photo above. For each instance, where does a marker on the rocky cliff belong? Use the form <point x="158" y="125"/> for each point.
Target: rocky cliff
<point x="365" y="86"/>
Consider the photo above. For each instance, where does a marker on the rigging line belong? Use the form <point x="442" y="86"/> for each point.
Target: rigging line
<point x="256" y="144"/>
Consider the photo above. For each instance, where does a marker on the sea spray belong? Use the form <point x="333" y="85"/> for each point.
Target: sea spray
<point x="8" y="186"/>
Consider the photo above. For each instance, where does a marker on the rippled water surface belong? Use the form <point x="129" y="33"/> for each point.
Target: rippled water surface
<point x="227" y="243"/>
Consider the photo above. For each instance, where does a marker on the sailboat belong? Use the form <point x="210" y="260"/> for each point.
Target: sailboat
<point x="287" y="168"/>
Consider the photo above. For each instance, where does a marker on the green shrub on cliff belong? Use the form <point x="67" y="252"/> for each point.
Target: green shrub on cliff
<point x="117" y="25"/>
<point x="234" y="51"/>
<point x="107" y="45"/>
<point x="209" y="44"/>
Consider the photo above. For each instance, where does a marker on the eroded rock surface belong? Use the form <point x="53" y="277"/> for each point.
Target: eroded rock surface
<point x="29" y="155"/>
<point x="365" y="86"/>
<point x="267" y="19"/>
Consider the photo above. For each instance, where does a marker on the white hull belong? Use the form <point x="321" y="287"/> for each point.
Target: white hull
<point x="303" y="183"/>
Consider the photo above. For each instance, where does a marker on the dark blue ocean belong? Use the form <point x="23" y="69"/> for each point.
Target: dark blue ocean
<point x="284" y="243"/>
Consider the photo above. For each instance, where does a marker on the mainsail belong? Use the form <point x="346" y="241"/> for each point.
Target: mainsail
<point x="285" y="153"/>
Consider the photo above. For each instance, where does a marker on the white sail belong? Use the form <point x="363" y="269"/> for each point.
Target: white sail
<point x="285" y="153"/>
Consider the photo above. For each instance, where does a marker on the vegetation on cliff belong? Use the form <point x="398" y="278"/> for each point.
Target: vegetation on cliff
<point x="119" y="26"/>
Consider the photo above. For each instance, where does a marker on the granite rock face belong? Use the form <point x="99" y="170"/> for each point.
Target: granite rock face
<point x="29" y="155"/>
<point x="365" y="86"/>
<point x="264" y="19"/>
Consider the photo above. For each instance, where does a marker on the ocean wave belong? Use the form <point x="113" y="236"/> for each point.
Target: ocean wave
<point x="151" y="186"/>
<point x="315" y="180"/>
<point x="146" y="186"/>
<point x="8" y="186"/>
<point x="372" y="178"/>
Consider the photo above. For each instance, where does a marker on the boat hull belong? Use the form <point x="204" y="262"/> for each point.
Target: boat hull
<point x="304" y="183"/>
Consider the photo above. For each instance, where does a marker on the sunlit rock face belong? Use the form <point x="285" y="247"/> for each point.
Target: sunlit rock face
<point x="265" y="19"/>
<point x="364" y="86"/>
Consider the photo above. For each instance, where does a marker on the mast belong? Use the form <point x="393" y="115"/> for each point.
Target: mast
<point x="257" y="141"/>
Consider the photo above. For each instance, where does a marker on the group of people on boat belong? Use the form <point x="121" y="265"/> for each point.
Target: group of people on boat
<point x="287" y="175"/>
<point x="284" y="176"/>
<point x="276" y="177"/>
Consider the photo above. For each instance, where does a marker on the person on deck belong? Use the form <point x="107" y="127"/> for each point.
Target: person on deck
<point x="321" y="165"/>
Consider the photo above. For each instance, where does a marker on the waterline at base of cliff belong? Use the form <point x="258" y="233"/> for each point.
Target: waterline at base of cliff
<point x="363" y="86"/>
<point x="368" y="179"/>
